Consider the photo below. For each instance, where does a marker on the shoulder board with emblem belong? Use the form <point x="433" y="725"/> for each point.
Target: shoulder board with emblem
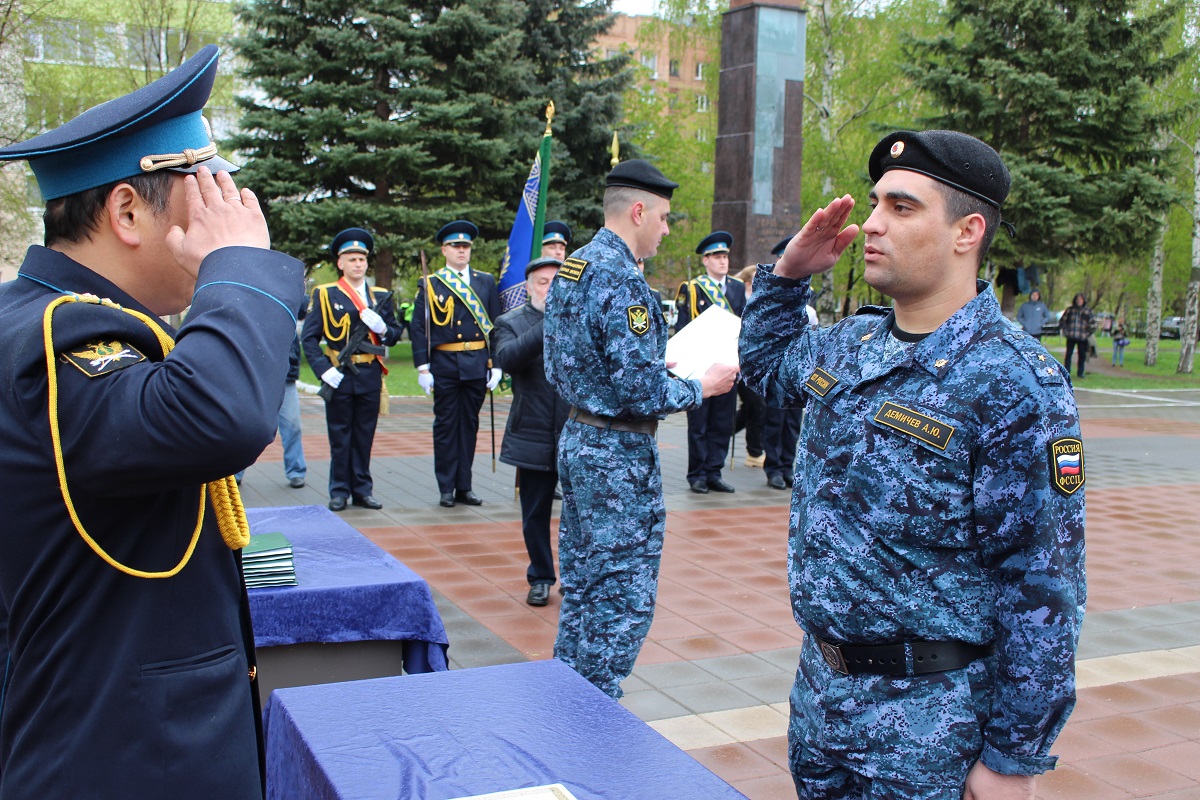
<point x="572" y="269"/>
<point x="878" y="311"/>
<point x="1039" y="360"/>
<point x="102" y="357"/>
<point x="733" y="279"/>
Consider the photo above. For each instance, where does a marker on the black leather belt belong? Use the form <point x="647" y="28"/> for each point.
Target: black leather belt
<point x="649" y="426"/>
<point x="902" y="658"/>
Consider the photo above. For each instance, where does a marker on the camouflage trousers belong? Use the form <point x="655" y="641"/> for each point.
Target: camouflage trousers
<point x="609" y="546"/>
<point x="877" y="737"/>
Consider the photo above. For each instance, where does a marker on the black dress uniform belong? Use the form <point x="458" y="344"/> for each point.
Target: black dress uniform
<point x="448" y="337"/>
<point x="780" y="429"/>
<point x="710" y="427"/>
<point x="352" y="413"/>
<point x="114" y="684"/>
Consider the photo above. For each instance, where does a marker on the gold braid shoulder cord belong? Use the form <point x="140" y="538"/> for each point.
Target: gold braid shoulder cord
<point x="227" y="501"/>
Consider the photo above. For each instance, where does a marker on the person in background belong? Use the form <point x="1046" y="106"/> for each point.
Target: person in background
<point x="1120" y="340"/>
<point x="129" y="666"/>
<point x="1077" y="324"/>
<point x="752" y="410"/>
<point x="1033" y="315"/>
<point x="352" y="411"/>
<point x="534" y="424"/>
<point x="556" y="238"/>
<point x="404" y="317"/>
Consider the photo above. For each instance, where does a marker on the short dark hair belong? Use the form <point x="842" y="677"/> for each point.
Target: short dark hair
<point x="619" y="198"/>
<point x="75" y="217"/>
<point x="960" y="204"/>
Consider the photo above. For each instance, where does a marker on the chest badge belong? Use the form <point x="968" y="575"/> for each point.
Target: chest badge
<point x="1066" y="465"/>
<point x="100" y="358"/>
<point x="639" y="320"/>
<point x="821" y="381"/>
<point x="915" y="424"/>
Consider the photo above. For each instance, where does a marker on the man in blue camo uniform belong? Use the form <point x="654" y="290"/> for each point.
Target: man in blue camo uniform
<point x="605" y="343"/>
<point x="936" y="548"/>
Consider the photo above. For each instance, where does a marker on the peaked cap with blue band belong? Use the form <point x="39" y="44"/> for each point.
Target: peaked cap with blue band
<point x="352" y="240"/>
<point x="778" y="249"/>
<point x="157" y="127"/>
<point x="715" y="242"/>
<point x="556" y="231"/>
<point x="949" y="157"/>
<point x="458" y="231"/>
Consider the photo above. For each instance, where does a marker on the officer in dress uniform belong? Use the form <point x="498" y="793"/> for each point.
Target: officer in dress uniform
<point x="556" y="238"/>
<point x="451" y="330"/>
<point x="937" y="547"/>
<point x="352" y="410"/>
<point x="710" y="427"/>
<point x="604" y="354"/>
<point x="129" y="651"/>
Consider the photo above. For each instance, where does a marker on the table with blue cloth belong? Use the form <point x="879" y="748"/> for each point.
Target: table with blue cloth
<point x="468" y="732"/>
<point x="356" y="613"/>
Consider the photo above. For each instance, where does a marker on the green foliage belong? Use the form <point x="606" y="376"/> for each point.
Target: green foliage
<point x="1061" y="91"/>
<point x="401" y="116"/>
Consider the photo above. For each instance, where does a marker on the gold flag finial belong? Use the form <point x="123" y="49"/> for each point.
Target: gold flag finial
<point x="549" y="117"/>
<point x="616" y="151"/>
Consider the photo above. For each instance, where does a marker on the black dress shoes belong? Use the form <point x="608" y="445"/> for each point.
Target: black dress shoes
<point x="776" y="482"/>
<point x="368" y="502"/>
<point x="337" y="504"/>
<point x="296" y="483"/>
<point x="447" y="500"/>
<point x="539" y="594"/>
<point x="699" y="487"/>
<point x="468" y="498"/>
<point x="718" y="485"/>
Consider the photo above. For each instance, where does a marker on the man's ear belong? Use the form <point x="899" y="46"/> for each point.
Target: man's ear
<point x="127" y="213"/>
<point x="637" y="212"/>
<point x="971" y="229"/>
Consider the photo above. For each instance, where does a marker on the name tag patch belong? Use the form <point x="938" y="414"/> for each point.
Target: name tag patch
<point x="639" y="319"/>
<point x="915" y="424"/>
<point x="101" y="358"/>
<point x="572" y="269"/>
<point x="1066" y="465"/>
<point x="821" y="381"/>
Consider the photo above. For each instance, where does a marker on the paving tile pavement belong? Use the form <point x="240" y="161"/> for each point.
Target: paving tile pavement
<point x="721" y="655"/>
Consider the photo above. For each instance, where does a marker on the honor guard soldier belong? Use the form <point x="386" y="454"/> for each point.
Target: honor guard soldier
<point x="556" y="239"/>
<point x="604" y="351"/>
<point x="937" y="527"/>
<point x="352" y="375"/>
<point x="129" y="652"/>
<point x="451" y="329"/>
<point x="710" y="427"/>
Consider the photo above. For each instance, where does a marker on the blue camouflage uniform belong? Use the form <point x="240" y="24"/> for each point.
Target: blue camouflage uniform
<point x="938" y="498"/>
<point x="605" y="345"/>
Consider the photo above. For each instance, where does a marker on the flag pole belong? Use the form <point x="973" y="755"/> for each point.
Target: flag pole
<point x="539" y="216"/>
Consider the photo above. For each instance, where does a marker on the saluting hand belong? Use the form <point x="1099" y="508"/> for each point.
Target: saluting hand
<point x="819" y="244"/>
<point x="218" y="215"/>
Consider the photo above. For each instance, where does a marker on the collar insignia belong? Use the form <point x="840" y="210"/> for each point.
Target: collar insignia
<point x="100" y="358"/>
<point x="865" y="337"/>
<point x="639" y="319"/>
<point x="1066" y="465"/>
<point x="941" y="362"/>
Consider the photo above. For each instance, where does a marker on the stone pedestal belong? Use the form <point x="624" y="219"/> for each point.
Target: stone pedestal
<point x="759" y="136"/>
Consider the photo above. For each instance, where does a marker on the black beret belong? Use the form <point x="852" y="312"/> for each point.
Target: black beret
<point x="638" y="174"/>
<point x="538" y="263"/>
<point x="157" y="127"/>
<point x="458" y="231"/>
<point x="715" y="242"/>
<point x="556" y="231"/>
<point x="949" y="157"/>
<point x="352" y="240"/>
<point x="778" y="249"/>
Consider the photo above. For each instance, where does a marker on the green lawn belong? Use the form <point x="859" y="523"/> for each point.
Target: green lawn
<point x="1135" y="374"/>
<point x="401" y="378"/>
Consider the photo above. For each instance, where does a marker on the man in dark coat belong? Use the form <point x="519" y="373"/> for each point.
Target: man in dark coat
<point x="451" y="330"/>
<point x="710" y="427"/>
<point x="130" y="656"/>
<point x="534" y="424"/>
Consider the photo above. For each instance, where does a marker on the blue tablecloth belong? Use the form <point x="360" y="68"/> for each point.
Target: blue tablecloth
<point x="473" y="731"/>
<point x="350" y="591"/>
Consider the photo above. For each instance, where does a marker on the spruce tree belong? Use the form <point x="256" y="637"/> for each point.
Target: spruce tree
<point x="1061" y="91"/>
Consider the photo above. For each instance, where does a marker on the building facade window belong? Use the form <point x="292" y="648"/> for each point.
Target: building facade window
<point x="673" y="70"/>
<point x="699" y="70"/>
<point x="701" y="103"/>
<point x="650" y="62"/>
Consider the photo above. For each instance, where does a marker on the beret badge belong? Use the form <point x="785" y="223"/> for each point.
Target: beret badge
<point x="897" y="149"/>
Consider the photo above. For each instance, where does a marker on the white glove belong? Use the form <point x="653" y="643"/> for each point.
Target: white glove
<point x="494" y="379"/>
<point x="372" y="321"/>
<point x="332" y="377"/>
<point x="425" y="380"/>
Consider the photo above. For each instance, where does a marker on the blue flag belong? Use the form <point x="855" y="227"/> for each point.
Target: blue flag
<point x="520" y="242"/>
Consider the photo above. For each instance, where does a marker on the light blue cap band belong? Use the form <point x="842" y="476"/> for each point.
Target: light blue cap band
<point x="356" y="246"/>
<point x="461" y="236"/>
<point x="716" y="247"/>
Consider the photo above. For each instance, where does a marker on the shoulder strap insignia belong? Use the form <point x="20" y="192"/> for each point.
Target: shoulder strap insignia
<point x="101" y="358"/>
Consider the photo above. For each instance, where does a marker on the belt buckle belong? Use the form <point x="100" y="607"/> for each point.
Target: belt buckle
<point x="833" y="657"/>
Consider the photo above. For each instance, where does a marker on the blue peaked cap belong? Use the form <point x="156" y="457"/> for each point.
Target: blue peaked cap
<point x="715" y="242"/>
<point x="352" y="240"/>
<point x="458" y="231"/>
<point x="113" y="140"/>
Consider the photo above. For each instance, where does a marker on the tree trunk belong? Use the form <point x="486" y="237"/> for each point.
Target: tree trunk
<point x="1154" y="296"/>
<point x="1187" y="336"/>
